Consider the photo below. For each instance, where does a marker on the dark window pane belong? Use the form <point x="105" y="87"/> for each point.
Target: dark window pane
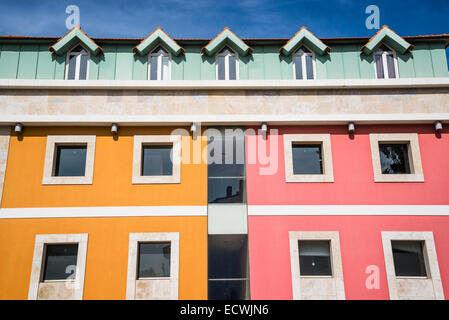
<point x="154" y="260"/>
<point x="221" y="67"/>
<point x="228" y="256"/>
<point x="60" y="261"/>
<point x="307" y="159"/>
<point x="153" y="67"/>
<point x="70" y="161"/>
<point x="236" y="160"/>
<point x="72" y="68"/>
<point x="309" y="67"/>
<point x="83" y="67"/>
<point x="164" y="75"/>
<point x="379" y="66"/>
<point x="226" y="190"/>
<point x="408" y="259"/>
<point x="314" y="258"/>
<point x="390" y="66"/>
<point x="298" y="67"/>
<point x="156" y="161"/>
<point x="228" y="290"/>
<point x="232" y="67"/>
<point x="394" y="158"/>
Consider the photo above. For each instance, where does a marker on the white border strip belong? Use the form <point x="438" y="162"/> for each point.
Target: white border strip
<point x="349" y="210"/>
<point x="225" y="84"/>
<point x="92" y="212"/>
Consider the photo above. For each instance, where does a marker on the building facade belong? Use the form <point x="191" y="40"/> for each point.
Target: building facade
<point x="224" y="168"/>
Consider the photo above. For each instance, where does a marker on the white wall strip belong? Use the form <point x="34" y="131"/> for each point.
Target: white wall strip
<point x="349" y="210"/>
<point x="90" y="212"/>
<point x="217" y="84"/>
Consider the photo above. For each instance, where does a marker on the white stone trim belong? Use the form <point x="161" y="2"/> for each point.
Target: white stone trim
<point x="170" y="283"/>
<point x="326" y="150"/>
<point x="441" y="82"/>
<point x="413" y="287"/>
<point x="93" y="212"/>
<point x="348" y="210"/>
<point x="139" y="141"/>
<point x="414" y="156"/>
<point x="5" y="133"/>
<point x="317" y="287"/>
<point x="76" y="288"/>
<point x="50" y="158"/>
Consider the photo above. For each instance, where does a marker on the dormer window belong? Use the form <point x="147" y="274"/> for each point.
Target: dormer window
<point x="304" y="64"/>
<point x="385" y="63"/>
<point x="227" y="66"/>
<point x="77" y="64"/>
<point x="159" y="64"/>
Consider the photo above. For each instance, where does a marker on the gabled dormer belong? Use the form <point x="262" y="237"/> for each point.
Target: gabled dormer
<point x="77" y="47"/>
<point x="384" y="46"/>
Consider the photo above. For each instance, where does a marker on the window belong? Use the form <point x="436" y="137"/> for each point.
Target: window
<point x="316" y="267"/>
<point x="69" y="160"/>
<point x="157" y="159"/>
<point x="226" y="166"/>
<point x="159" y="64"/>
<point x="60" y="261"/>
<point x="314" y="258"/>
<point x="304" y="64"/>
<point x="308" y="158"/>
<point x="396" y="158"/>
<point x="154" y="260"/>
<point x="228" y="267"/>
<point x="77" y="64"/>
<point x="227" y="64"/>
<point x="385" y="63"/>
<point x="411" y="265"/>
<point x="153" y="266"/>
<point x="408" y="258"/>
<point x="58" y="268"/>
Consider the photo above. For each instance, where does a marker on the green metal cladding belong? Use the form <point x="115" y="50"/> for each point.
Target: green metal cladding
<point x="30" y="58"/>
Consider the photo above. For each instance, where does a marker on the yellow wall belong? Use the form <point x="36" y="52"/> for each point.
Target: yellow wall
<point x="107" y="252"/>
<point x="112" y="173"/>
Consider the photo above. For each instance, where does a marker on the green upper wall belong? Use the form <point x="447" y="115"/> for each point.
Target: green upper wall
<point x="31" y="59"/>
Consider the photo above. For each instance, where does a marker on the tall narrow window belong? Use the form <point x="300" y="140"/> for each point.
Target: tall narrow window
<point x="227" y="66"/>
<point x="159" y="64"/>
<point x="304" y="64"/>
<point x="385" y="62"/>
<point x="77" y="64"/>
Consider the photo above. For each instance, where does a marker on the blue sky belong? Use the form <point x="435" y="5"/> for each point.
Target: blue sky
<point x="205" y="18"/>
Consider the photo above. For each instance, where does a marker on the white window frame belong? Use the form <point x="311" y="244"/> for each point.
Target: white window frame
<point x="78" y="62"/>
<point x="413" y="287"/>
<point x="226" y="60"/>
<point x="74" y="287"/>
<point x="303" y="63"/>
<point x="135" y="288"/>
<point x="139" y="142"/>
<point x="384" y="61"/>
<point x="317" y="287"/>
<point x="414" y="157"/>
<point x="50" y="159"/>
<point x="326" y="157"/>
<point x="159" y="63"/>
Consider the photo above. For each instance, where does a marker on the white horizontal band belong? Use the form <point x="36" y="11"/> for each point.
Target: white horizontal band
<point x="349" y="210"/>
<point x="184" y="120"/>
<point x="91" y="212"/>
<point x="225" y="84"/>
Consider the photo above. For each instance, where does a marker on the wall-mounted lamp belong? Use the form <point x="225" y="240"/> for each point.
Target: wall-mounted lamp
<point x="194" y="128"/>
<point x="114" y="130"/>
<point x="351" y="127"/>
<point x="264" y="129"/>
<point x="438" y="127"/>
<point x="18" y="128"/>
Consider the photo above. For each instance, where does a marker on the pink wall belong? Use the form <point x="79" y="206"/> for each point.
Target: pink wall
<point x="361" y="246"/>
<point x="353" y="171"/>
